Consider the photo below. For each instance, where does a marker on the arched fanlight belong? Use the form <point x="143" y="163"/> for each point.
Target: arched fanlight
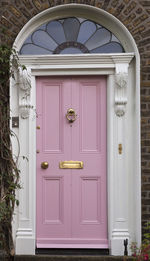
<point x="71" y="36"/>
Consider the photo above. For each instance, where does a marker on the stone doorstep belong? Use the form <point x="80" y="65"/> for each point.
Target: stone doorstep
<point x="71" y="258"/>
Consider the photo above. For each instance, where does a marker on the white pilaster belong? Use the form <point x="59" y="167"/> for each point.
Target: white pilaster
<point x="120" y="230"/>
<point x="25" y="232"/>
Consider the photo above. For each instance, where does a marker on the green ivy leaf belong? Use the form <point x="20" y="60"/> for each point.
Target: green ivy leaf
<point x="17" y="202"/>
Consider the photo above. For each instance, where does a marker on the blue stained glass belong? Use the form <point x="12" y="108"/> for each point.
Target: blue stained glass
<point x="28" y="40"/>
<point x="87" y="29"/>
<point x="33" y="49"/>
<point x="114" y="39"/>
<point x="42" y="39"/>
<point x="109" y="48"/>
<point x="55" y="29"/>
<point x="71" y="29"/>
<point x="42" y="27"/>
<point x="71" y="36"/>
<point x="101" y="37"/>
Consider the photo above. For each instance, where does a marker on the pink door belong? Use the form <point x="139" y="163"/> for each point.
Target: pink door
<point x="71" y="202"/>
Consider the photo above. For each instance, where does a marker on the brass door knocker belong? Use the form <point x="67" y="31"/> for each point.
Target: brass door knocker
<point x="71" y="115"/>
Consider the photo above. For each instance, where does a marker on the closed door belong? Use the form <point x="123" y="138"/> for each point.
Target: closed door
<point x="71" y="188"/>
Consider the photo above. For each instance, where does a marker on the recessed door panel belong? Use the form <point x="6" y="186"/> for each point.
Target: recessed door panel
<point x="89" y="116"/>
<point x="53" y="189"/>
<point x="71" y="139"/>
<point x="90" y="201"/>
<point x="52" y="109"/>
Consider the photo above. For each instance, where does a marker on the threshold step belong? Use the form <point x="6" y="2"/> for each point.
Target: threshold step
<point x="71" y="258"/>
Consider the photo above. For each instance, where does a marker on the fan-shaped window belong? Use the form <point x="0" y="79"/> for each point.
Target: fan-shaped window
<point x="71" y="36"/>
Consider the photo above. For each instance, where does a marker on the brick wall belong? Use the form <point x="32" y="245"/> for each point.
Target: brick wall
<point x="135" y="15"/>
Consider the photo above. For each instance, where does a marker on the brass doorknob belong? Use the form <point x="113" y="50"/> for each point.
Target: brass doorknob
<point x="44" y="165"/>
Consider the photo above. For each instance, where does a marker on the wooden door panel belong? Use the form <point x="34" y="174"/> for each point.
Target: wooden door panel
<point x="53" y="189"/>
<point x="89" y="116"/>
<point x="52" y="118"/>
<point x="90" y="200"/>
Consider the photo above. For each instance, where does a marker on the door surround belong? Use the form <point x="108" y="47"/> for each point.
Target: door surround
<point x="123" y="120"/>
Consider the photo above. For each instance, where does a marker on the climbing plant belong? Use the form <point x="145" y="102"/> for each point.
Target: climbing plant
<point x="9" y="172"/>
<point x="143" y="252"/>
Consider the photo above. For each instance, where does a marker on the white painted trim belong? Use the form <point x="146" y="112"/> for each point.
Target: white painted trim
<point x="77" y="61"/>
<point x="128" y="224"/>
<point x="27" y="214"/>
<point x="75" y="65"/>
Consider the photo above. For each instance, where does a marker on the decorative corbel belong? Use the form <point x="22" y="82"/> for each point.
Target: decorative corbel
<point x="121" y="82"/>
<point x="23" y="79"/>
<point x="23" y="82"/>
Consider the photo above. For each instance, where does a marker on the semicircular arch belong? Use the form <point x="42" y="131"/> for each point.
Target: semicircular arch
<point x="89" y="12"/>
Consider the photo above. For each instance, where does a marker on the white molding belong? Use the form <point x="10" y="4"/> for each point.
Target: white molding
<point x="77" y="61"/>
<point x="74" y="65"/>
<point x="123" y="170"/>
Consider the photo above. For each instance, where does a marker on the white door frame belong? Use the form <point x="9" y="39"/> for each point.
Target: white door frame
<point x="123" y="129"/>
